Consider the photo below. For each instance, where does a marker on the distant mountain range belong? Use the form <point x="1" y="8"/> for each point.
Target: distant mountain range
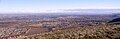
<point x="85" y="11"/>
<point x="91" y="11"/>
<point x="79" y="11"/>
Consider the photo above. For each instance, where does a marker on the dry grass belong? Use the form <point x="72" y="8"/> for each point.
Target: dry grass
<point x="86" y="32"/>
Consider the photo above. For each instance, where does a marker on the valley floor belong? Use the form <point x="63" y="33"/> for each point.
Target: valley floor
<point x="85" y="32"/>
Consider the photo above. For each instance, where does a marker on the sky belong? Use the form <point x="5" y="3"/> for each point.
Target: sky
<point x="48" y="5"/>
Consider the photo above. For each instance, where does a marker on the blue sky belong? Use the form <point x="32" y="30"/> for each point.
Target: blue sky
<point x="43" y="5"/>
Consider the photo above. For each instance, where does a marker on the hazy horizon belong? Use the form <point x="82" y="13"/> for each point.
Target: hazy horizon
<point x="39" y="6"/>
